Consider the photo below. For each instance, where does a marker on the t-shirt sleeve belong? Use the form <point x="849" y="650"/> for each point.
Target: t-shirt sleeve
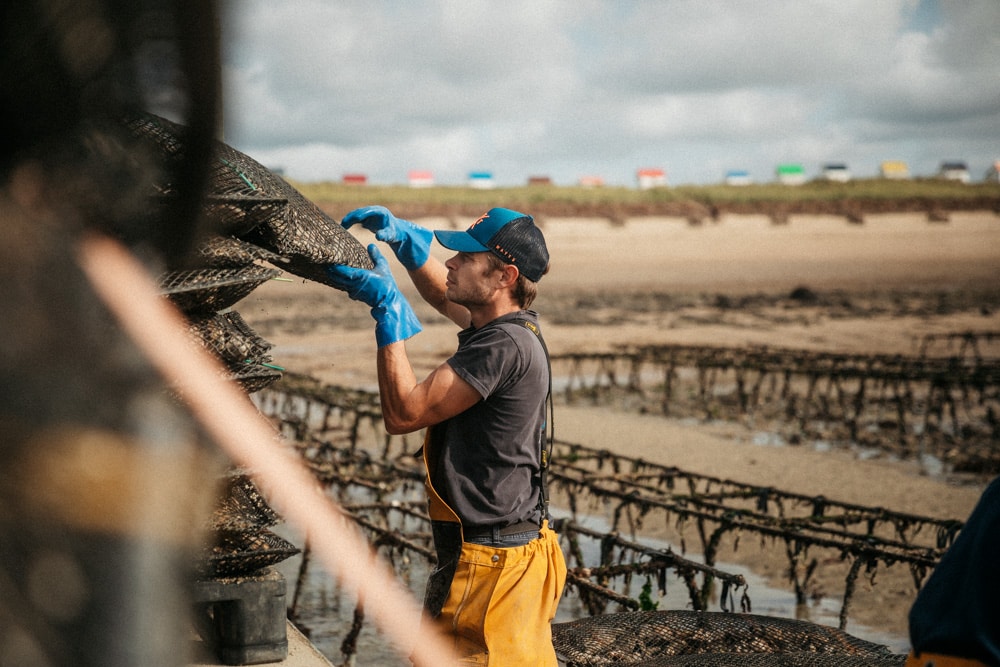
<point x="488" y="359"/>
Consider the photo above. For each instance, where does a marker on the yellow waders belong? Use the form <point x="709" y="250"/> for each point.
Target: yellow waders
<point x="496" y="605"/>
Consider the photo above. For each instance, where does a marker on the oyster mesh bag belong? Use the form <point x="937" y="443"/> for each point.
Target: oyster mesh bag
<point x="245" y="553"/>
<point x="228" y="252"/>
<point x="203" y="291"/>
<point x="800" y="659"/>
<point x="258" y="206"/>
<point x="239" y="214"/>
<point x="228" y="211"/>
<point x="244" y="353"/>
<point x="255" y="377"/>
<point x="230" y="338"/>
<point x="242" y="543"/>
<point x="242" y="507"/>
<point x="710" y="639"/>
<point x="305" y="235"/>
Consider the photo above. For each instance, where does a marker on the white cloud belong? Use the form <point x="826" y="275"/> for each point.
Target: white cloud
<point x="602" y="87"/>
<point x="726" y="115"/>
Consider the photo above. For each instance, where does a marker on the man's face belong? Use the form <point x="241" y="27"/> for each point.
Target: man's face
<point x="472" y="281"/>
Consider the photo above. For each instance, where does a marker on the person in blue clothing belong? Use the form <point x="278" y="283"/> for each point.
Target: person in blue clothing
<point x="500" y="571"/>
<point x="955" y="620"/>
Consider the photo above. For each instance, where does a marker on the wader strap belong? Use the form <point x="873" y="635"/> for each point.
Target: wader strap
<point x="446" y="531"/>
<point x="437" y="508"/>
<point x="548" y="435"/>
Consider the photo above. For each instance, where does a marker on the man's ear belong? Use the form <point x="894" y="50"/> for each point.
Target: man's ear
<point x="508" y="275"/>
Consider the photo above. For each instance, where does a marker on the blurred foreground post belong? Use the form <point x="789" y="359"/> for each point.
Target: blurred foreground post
<point x="250" y="440"/>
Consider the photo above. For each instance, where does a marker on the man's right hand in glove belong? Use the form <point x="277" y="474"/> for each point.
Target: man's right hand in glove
<point x="394" y="318"/>
<point x="411" y="243"/>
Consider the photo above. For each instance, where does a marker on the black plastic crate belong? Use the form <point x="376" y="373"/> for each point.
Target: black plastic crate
<point x="242" y="620"/>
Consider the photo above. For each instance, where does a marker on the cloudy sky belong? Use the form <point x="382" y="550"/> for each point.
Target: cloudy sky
<point x="568" y="88"/>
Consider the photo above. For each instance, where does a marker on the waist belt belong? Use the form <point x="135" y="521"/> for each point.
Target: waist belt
<point x="926" y="659"/>
<point x="477" y="532"/>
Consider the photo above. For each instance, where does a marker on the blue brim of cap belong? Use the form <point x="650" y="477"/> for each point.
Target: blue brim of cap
<point x="459" y="241"/>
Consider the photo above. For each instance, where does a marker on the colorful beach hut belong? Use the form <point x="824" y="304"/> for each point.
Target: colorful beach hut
<point x="649" y="177"/>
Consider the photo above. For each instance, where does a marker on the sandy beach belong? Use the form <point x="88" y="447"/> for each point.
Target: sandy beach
<point x="881" y="287"/>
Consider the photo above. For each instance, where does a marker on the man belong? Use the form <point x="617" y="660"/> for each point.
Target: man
<point x="500" y="570"/>
<point x="955" y="620"/>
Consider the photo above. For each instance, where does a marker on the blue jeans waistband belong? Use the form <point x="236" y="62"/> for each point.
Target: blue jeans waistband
<point x="516" y="535"/>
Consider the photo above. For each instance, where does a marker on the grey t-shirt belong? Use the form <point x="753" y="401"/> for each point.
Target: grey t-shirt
<point x="486" y="459"/>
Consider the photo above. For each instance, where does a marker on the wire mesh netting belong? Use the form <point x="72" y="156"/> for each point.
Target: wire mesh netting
<point x="242" y="543"/>
<point x="240" y="349"/>
<point x="307" y="236"/>
<point x="255" y="216"/>
<point x="229" y="252"/>
<point x="231" y="339"/>
<point x="250" y="201"/>
<point x="242" y="507"/>
<point x="209" y="290"/>
<point x="239" y="214"/>
<point x="253" y="378"/>
<point x="792" y="659"/>
<point x="310" y="241"/>
<point x="244" y="553"/>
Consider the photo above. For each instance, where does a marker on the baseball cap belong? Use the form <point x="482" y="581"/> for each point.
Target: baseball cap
<point x="511" y="236"/>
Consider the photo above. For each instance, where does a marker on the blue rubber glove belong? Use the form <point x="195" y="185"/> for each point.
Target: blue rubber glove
<point x="410" y="242"/>
<point x="394" y="318"/>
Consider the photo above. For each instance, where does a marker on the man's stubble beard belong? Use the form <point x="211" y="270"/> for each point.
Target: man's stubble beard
<point x="469" y="298"/>
<point x="477" y="294"/>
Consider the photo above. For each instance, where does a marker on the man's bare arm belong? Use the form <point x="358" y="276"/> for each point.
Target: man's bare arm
<point x="408" y="405"/>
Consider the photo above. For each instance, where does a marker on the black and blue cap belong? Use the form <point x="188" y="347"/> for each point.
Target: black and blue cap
<point x="511" y="236"/>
